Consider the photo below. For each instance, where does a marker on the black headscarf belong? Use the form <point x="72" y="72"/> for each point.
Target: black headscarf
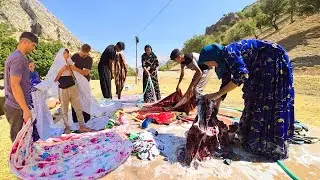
<point x="152" y="54"/>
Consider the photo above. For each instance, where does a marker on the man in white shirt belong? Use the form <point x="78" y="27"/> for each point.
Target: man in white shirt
<point x="200" y="78"/>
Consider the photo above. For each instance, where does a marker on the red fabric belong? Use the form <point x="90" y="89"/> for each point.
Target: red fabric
<point x="162" y="118"/>
<point x="159" y="118"/>
<point x="169" y="101"/>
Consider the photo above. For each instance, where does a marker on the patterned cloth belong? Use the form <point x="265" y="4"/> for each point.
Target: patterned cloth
<point x="207" y="134"/>
<point x="152" y="62"/>
<point x="120" y="73"/>
<point x="268" y="117"/>
<point x="34" y="80"/>
<point x="74" y="156"/>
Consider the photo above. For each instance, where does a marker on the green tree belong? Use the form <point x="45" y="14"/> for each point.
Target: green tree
<point x="131" y="71"/>
<point x="308" y="6"/>
<point x="273" y="9"/>
<point x="44" y="55"/>
<point x="7" y="45"/>
<point x="242" y="29"/>
<point x="94" y="74"/>
<point x="252" y="11"/>
<point x="261" y="20"/>
<point x="196" y="43"/>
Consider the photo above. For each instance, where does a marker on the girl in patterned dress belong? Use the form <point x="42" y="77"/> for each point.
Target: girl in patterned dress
<point x="150" y="64"/>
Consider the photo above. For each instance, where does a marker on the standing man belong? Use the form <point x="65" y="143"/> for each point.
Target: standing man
<point x="16" y="78"/>
<point x="83" y="62"/>
<point x="106" y="68"/>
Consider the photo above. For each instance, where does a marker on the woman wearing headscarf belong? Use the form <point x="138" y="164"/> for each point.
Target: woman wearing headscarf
<point x="150" y="64"/>
<point x="265" y="71"/>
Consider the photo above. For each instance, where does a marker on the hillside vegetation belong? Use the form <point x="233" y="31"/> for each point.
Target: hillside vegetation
<point x="253" y="21"/>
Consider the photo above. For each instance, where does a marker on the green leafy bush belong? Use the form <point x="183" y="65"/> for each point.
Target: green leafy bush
<point x="94" y="74"/>
<point x="168" y="66"/>
<point x="7" y="45"/>
<point x="44" y="55"/>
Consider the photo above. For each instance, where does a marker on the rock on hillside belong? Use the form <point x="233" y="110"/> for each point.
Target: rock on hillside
<point x="31" y="15"/>
<point x="228" y="20"/>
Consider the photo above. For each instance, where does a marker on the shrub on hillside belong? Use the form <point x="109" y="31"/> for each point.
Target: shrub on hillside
<point x="242" y="29"/>
<point x="131" y="71"/>
<point x="196" y="43"/>
<point x="94" y="74"/>
<point x="170" y="64"/>
<point x="308" y="6"/>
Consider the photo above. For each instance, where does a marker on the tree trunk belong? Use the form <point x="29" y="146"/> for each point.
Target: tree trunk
<point x="291" y="16"/>
<point x="274" y="24"/>
<point x="255" y="35"/>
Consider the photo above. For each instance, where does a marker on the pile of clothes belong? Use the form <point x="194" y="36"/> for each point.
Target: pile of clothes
<point x="160" y="115"/>
<point x="144" y="145"/>
<point x="300" y="135"/>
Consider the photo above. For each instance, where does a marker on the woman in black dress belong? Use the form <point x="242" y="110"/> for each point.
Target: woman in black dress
<point x="150" y="64"/>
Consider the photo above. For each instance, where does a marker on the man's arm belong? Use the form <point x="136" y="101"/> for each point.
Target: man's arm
<point x="83" y="72"/>
<point x="196" y="78"/>
<point x="89" y="67"/>
<point x="19" y="96"/>
<point x="181" y="76"/>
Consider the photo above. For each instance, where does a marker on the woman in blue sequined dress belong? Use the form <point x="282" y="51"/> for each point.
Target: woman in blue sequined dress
<point x="265" y="71"/>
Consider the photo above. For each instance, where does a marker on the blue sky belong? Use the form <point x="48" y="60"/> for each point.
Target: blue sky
<point x="103" y="22"/>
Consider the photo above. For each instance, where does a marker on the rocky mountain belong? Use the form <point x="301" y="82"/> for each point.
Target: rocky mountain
<point x="31" y="15"/>
<point x="226" y="21"/>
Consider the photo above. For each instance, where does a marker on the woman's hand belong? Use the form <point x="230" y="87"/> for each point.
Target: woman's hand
<point x="213" y="96"/>
<point x="217" y="103"/>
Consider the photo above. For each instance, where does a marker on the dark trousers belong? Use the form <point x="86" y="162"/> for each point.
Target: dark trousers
<point x="86" y="116"/>
<point x="15" y="119"/>
<point x="105" y="81"/>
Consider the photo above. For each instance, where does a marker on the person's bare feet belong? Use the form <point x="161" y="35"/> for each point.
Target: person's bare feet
<point x="84" y="129"/>
<point x="67" y="130"/>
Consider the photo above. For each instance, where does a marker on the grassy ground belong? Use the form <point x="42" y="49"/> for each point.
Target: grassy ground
<point x="307" y="105"/>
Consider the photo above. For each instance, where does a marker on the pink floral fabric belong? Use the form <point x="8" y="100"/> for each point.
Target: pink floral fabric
<point x="74" y="156"/>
